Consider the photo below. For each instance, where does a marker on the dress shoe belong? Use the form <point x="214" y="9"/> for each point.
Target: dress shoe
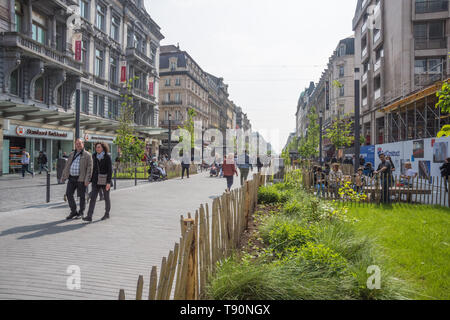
<point x="87" y="219"/>
<point x="71" y="216"/>
<point x="105" y="217"/>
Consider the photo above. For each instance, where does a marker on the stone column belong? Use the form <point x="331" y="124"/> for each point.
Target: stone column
<point x="29" y="18"/>
<point x="12" y="14"/>
<point x="53" y="33"/>
<point x="1" y="147"/>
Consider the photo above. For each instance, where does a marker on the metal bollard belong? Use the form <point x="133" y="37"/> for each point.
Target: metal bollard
<point x="48" y="186"/>
<point x="115" y="179"/>
<point x="135" y="176"/>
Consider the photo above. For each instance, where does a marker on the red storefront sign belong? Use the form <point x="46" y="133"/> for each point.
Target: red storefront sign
<point x="123" y="71"/>
<point x="78" y="37"/>
<point x="150" y="88"/>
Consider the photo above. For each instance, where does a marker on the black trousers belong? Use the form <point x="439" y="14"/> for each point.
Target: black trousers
<point x="183" y="169"/>
<point x="72" y="186"/>
<point x="94" y="194"/>
<point x="385" y="192"/>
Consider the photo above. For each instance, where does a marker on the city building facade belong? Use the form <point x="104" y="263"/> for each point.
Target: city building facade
<point x="41" y="73"/>
<point x="401" y="51"/>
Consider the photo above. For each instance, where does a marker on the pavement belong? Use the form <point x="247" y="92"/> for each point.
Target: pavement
<point x="39" y="250"/>
<point x="18" y="193"/>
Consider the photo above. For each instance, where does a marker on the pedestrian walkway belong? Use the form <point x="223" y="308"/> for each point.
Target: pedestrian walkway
<point x="37" y="245"/>
<point x="17" y="193"/>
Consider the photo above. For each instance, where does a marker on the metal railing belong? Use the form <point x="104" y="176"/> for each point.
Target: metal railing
<point x="431" y="6"/>
<point x="10" y="39"/>
<point x="424" y="44"/>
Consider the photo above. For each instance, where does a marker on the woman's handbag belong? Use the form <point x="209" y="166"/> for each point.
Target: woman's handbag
<point x="102" y="178"/>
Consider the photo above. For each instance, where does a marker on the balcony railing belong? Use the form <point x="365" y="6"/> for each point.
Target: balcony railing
<point x="172" y="122"/>
<point x="364" y="27"/>
<point x="376" y="36"/>
<point x="431" y="6"/>
<point x="15" y="39"/>
<point x="133" y="52"/>
<point x="424" y="44"/>
<point x="425" y="79"/>
<point x="364" y="77"/>
<point x="377" y="65"/>
<point x="143" y="94"/>
<point x="364" y="52"/>
<point x="377" y="94"/>
<point x="171" y="103"/>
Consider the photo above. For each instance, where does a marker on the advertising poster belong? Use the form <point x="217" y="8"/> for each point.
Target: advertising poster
<point x="418" y="149"/>
<point x="440" y="151"/>
<point x="425" y="170"/>
<point x="368" y="152"/>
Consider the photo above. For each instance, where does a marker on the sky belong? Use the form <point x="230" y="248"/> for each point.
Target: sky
<point x="267" y="51"/>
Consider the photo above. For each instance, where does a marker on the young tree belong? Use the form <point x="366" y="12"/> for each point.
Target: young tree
<point x="132" y="148"/>
<point x="340" y="133"/>
<point x="444" y="105"/>
<point x="309" y="145"/>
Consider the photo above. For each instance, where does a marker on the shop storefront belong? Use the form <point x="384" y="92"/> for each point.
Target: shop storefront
<point x="17" y="137"/>
<point x="91" y="138"/>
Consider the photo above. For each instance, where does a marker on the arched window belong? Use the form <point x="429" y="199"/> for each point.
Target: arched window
<point x="14" y="83"/>
<point x="39" y="89"/>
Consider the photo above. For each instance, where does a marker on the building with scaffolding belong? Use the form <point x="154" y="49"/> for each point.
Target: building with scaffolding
<point x="401" y="51"/>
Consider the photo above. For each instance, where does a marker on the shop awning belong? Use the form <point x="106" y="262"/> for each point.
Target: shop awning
<point x="414" y="97"/>
<point x="23" y="112"/>
<point x="153" y="133"/>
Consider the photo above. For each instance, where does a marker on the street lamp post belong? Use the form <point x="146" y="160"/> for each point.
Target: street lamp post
<point x="170" y="137"/>
<point x="77" y="109"/>
<point x="357" y="121"/>
<point x="320" y="136"/>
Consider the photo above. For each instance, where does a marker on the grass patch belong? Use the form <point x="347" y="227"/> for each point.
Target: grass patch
<point x="416" y="241"/>
<point x="307" y="249"/>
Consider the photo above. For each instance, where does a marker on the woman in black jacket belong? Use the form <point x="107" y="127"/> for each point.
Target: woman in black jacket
<point x="102" y="165"/>
<point x="445" y="172"/>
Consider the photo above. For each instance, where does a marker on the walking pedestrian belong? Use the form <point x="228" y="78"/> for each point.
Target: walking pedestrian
<point x="101" y="179"/>
<point x="78" y="171"/>
<point x="229" y="170"/>
<point x="259" y="164"/>
<point x="335" y="179"/>
<point x="445" y="172"/>
<point x="244" y="166"/>
<point x="42" y="161"/>
<point x="25" y="161"/>
<point x="385" y="170"/>
<point x="185" y="166"/>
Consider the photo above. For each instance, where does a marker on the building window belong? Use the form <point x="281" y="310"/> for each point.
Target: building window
<point x="84" y="9"/>
<point x="99" y="60"/>
<point x="430" y="35"/>
<point x="39" y="89"/>
<point x="178" y="82"/>
<point x="18" y="16"/>
<point x="167" y="83"/>
<point x="85" y="55"/>
<point x="85" y="101"/>
<point x="341" y="71"/>
<point x="342" y="91"/>
<point x="115" y="28"/>
<point x="113" y="70"/>
<point x="177" y="97"/>
<point x="38" y="28"/>
<point x="342" y="50"/>
<point x="100" y="17"/>
<point x="173" y="66"/>
<point x="101" y="106"/>
<point x="14" y="83"/>
<point x="95" y="106"/>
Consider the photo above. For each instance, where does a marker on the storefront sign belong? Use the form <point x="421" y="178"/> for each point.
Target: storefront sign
<point x="97" y="138"/>
<point x="32" y="132"/>
<point x="123" y="71"/>
<point x="150" y="88"/>
<point x="77" y="38"/>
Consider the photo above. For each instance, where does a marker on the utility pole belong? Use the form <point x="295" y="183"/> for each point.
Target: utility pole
<point x="357" y="121"/>
<point x="77" y="109"/>
<point x="170" y="137"/>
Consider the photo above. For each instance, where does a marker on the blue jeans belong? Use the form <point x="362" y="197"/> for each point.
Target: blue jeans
<point x="25" y="168"/>
<point x="230" y="180"/>
<point x="320" y="187"/>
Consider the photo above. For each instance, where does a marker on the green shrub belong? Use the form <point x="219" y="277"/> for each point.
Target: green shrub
<point x="280" y="234"/>
<point x="272" y="195"/>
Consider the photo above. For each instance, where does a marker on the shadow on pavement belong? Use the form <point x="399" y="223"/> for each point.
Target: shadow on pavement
<point x="43" y="229"/>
